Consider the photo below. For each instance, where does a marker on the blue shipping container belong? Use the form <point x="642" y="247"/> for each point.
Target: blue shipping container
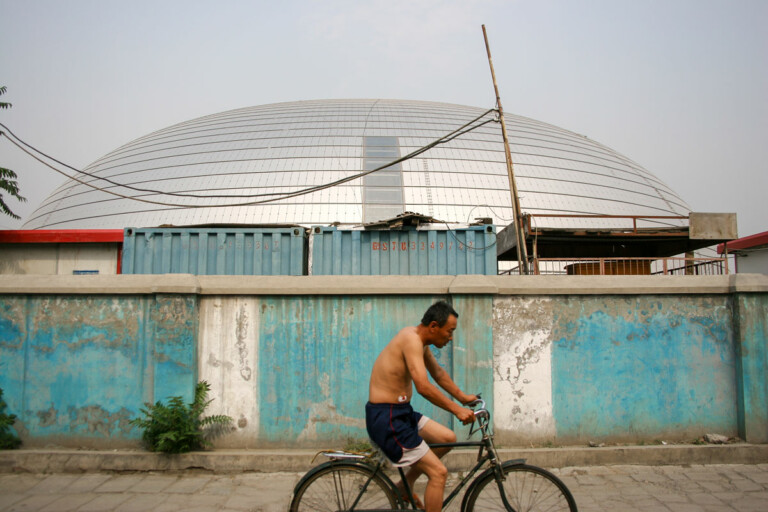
<point x="470" y="250"/>
<point x="215" y="251"/>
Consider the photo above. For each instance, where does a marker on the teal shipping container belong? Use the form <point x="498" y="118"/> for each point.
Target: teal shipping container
<point x="469" y="250"/>
<point x="215" y="251"/>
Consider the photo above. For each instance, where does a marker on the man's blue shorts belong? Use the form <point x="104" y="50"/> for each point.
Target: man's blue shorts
<point x="395" y="429"/>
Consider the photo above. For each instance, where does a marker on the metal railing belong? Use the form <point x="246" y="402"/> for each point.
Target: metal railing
<point x="627" y="266"/>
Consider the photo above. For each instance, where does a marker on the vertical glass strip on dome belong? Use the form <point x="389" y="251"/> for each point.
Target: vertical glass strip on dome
<point x="382" y="190"/>
<point x="248" y="166"/>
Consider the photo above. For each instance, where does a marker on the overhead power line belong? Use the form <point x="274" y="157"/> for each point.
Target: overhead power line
<point x="275" y="196"/>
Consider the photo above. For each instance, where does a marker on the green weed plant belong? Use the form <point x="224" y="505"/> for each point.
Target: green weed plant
<point x="178" y="427"/>
<point x="8" y="440"/>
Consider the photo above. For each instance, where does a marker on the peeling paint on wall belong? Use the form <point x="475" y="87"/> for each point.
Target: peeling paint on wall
<point x="229" y="341"/>
<point x="293" y="370"/>
<point x="241" y="334"/>
<point x="316" y="355"/>
<point x="92" y="420"/>
<point x="522" y="329"/>
<point x="643" y="367"/>
<point x="77" y="368"/>
<point x="752" y="362"/>
<point x="326" y="413"/>
<point x="174" y="323"/>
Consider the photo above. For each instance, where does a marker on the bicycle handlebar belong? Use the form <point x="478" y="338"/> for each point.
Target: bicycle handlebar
<point x="481" y="411"/>
<point x="478" y="401"/>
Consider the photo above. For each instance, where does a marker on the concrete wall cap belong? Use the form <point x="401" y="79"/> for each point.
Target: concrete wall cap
<point x="609" y="285"/>
<point x="472" y="284"/>
<point x="746" y="283"/>
<point x="99" y="284"/>
<point x="324" y="285"/>
<point x="371" y="285"/>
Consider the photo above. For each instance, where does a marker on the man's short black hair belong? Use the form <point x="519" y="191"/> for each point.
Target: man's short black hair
<point x="438" y="312"/>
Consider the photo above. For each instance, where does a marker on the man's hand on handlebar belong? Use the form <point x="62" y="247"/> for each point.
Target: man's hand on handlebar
<point x="470" y="400"/>
<point x="466" y="416"/>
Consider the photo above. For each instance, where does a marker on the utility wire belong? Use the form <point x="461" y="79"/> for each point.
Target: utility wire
<point x="18" y="142"/>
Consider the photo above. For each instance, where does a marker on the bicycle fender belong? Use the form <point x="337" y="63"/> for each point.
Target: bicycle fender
<point x="347" y="463"/>
<point x="481" y="477"/>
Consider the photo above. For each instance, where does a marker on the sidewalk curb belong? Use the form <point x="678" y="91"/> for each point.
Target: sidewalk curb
<point x="269" y="461"/>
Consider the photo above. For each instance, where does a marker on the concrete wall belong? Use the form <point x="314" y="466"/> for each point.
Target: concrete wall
<point x="563" y="359"/>
<point x="615" y="368"/>
<point x="293" y="370"/>
<point x="76" y="368"/>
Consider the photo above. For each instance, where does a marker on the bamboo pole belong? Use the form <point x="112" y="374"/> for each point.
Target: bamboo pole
<point x="522" y="252"/>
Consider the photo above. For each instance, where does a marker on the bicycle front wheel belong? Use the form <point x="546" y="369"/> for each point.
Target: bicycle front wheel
<point x="336" y="488"/>
<point x="526" y="488"/>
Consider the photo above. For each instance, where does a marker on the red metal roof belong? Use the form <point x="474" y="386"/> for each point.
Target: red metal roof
<point x="748" y="242"/>
<point x="60" y="236"/>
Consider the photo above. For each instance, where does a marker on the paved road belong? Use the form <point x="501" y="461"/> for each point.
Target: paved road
<point x="714" y="488"/>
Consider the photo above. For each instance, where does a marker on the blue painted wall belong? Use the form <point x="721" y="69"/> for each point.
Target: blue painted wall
<point x="752" y="366"/>
<point x="80" y="367"/>
<point x="316" y="355"/>
<point x="76" y="368"/>
<point x="634" y="367"/>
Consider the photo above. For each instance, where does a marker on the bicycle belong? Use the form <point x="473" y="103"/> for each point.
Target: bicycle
<point x="357" y="482"/>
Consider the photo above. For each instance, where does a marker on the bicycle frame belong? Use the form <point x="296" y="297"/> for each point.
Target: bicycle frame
<point x="486" y="454"/>
<point x="482" y="458"/>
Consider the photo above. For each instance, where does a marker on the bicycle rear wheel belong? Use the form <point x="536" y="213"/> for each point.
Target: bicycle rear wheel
<point x="336" y="487"/>
<point x="527" y="489"/>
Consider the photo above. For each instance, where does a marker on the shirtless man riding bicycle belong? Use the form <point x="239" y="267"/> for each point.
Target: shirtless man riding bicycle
<point x="400" y="432"/>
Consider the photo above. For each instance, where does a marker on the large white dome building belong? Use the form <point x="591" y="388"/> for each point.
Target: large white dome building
<point x="214" y="170"/>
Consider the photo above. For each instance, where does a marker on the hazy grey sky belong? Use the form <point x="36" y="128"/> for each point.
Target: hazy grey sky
<point x="679" y="86"/>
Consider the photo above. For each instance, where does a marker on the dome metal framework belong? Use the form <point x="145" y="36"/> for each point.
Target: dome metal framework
<point x="233" y="158"/>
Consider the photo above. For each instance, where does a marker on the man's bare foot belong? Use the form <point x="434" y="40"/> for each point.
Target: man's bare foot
<point x="404" y="497"/>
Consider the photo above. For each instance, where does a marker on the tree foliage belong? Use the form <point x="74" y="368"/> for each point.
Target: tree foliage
<point x="8" y="183"/>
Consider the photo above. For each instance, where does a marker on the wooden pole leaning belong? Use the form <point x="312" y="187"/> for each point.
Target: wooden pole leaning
<point x="522" y="252"/>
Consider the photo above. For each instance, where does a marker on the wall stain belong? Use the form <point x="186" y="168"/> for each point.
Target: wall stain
<point x="162" y="357"/>
<point x="661" y="357"/>
<point x="241" y="333"/>
<point x="74" y="322"/>
<point x="529" y="318"/>
<point x="107" y="352"/>
<point x="216" y="363"/>
<point x="325" y="413"/>
<point x="174" y="318"/>
<point x="47" y="417"/>
<point x="13" y="327"/>
<point x="96" y="419"/>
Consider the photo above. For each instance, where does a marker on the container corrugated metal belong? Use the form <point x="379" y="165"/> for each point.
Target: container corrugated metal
<point x="215" y="251"/>
<point x="470" y="250"/>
